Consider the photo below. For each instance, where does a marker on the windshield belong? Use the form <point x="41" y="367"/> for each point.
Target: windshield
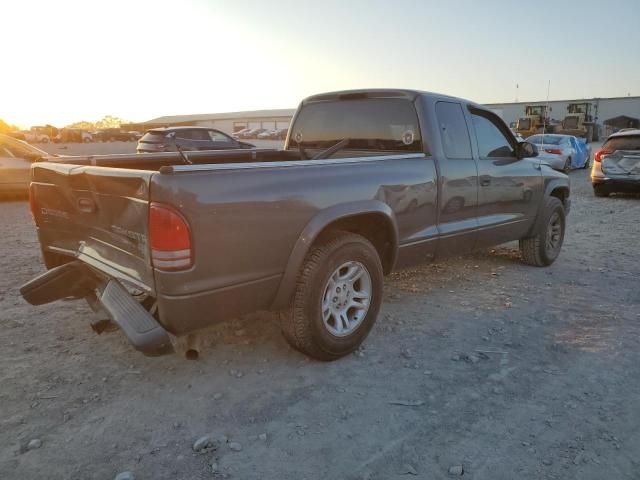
<point x="21" y="148"/>
<point x="379" y="124"/>
<point x="631" y="142"/>
<point x="545" y="139"/>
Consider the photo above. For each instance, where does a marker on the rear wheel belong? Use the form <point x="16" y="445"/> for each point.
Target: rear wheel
<point x="567" y="166"/>
<point x="337" y="298"/>
<point x="544" y="247"/>
<point x="601" y="191"/>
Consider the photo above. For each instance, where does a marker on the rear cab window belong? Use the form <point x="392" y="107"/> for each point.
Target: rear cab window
<point x="382" y="126"/>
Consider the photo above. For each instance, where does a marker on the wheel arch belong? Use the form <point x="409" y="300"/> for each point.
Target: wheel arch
<point x="363" y="218"/>
<point x="555" y="187"/>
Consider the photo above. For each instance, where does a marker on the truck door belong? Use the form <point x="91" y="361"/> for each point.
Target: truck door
<point x="510" y="190"/>
<point x="458" y="181"/>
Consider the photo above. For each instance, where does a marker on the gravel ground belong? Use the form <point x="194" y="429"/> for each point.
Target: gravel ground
<point x="478" y="366"/>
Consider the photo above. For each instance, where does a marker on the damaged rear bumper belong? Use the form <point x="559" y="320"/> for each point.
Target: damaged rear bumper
<point x="77" y="280"/>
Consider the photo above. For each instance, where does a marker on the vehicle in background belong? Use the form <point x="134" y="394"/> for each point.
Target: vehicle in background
<point x="16" y="157"/>
<point x="579" y="122"/>
<point x="237" y="133"/>
<point x="266" y="135"/>
<point x="536" y="118"/>
<point x="368" y="181"/>
<point x="36" y="134"/>
<point x="569" y="151"/>
<point x="518" y="136"/>
<point x="616" y="166"/>
<point x="169" y="139"/>
<point x="251" y="133"/>
<point x="73" y="135"/>
<point x="275" y="134"/>
<point x="114" y="135"/>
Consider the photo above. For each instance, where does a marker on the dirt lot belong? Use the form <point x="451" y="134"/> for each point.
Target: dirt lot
<point x="478" y="362"/>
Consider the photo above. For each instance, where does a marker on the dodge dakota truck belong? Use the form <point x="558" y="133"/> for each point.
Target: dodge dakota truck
<point x="368" y="181"/>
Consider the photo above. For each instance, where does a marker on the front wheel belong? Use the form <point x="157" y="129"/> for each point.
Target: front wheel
<point x="337" y="297"/>
<point x="543" y="248"/>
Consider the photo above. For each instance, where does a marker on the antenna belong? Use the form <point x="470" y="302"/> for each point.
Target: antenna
<point x="546" y="110"/>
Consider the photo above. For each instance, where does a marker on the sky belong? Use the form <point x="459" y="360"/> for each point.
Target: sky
<point x="72" y="60"/>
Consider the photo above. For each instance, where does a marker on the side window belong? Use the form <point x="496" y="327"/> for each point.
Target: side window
<point x="453" y="130"/>
<point x="219" y="137"/>
<point x="491" y="141"/>
<point x="200" y="135"/>
<point x="184" y="134"/>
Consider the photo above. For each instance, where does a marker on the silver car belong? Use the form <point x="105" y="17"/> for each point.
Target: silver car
<point x="616" y="166"/>
<point x="16" y="158"/>
<point x="562" y="152"/>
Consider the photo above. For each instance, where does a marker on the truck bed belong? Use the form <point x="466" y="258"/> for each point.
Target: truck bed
<point x="156" y="161"/>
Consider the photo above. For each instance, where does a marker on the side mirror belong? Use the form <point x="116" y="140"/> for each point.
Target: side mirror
<point x="526" y="150"/>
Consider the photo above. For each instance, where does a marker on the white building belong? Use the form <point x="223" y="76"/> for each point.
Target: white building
<point x="227" y="122"/>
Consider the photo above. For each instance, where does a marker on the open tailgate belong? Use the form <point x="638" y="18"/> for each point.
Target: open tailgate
<point x="98" y="215"/>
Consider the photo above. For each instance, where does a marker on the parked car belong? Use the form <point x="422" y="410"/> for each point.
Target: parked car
<point x="251" y="133"/>
<point x="616" y="166"/>
<point x="266" y="135"/>
<point x="73" y="135"/>
<point x="114" y="135"/>
<point x="569" y="151"/>
<point x="275" y="134"/>
<point x="187" y="138"/>
<point x="16" y="157"/>
<point x="35" y="134"/>
<point x="518" y="135"/>
<point x="158" y="246"/>
<point x="240" y="132"/>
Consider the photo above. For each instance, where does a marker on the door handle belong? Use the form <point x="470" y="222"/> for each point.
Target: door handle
<point x="485" y="181"/>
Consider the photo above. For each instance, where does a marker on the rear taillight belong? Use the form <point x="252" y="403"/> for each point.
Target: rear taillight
<point x="601" y="153"/>
<point x="555" y="151"/>
<point x="169" y="238"/>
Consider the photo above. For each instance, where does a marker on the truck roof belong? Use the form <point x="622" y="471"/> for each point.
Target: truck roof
<point x="383" y="93"/>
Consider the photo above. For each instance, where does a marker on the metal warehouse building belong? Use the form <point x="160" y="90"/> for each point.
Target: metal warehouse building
<point x="604" y="109"/>
<point x="227" y="122"/>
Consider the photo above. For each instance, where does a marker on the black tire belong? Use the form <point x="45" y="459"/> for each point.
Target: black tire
<point x="601" y="191"/>
<point x="587" y="163"/>
<point x="302" y="323"/>
<point x="542" y="249"/>
<point x="567" y="166"/>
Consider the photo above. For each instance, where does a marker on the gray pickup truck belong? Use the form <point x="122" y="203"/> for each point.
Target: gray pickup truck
<point x="368" y="181"/>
